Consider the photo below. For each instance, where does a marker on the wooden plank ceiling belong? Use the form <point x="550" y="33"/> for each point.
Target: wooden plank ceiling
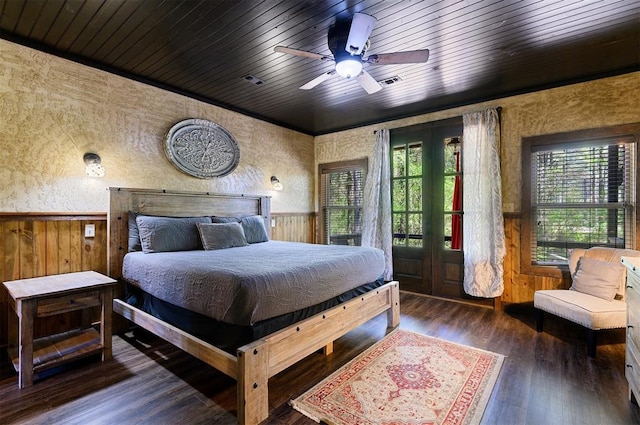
<point x="480" y="50"/>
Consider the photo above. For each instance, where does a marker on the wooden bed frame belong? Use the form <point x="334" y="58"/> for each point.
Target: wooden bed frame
<point x="255" y="362"/>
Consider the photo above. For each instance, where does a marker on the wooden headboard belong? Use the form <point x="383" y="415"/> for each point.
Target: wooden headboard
<point x="173" y="204"/>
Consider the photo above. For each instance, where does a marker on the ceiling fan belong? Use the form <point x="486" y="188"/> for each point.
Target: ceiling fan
<point x="348" y="41"/>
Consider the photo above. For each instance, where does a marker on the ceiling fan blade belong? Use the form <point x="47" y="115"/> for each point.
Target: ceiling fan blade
<point x="303" y="53"/>
<point x="412" y="56"/>
<point x="322" y="77"/>
<point x="361" y="27"/>
<point x="369" y="83"/>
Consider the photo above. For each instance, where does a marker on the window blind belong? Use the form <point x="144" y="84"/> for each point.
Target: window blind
<point x="342" y="195"/>
<point x="583" y="195"/>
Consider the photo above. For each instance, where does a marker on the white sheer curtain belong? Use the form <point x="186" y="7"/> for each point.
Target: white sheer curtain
<point x="376" y="208"/>
<point x="483" y="230"/>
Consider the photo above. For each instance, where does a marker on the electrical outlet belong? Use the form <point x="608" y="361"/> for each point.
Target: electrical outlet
<point x="89" y="230"/>
<point x="273" y="222"/>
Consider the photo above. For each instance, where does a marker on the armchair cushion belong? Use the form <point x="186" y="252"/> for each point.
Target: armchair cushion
<point x="589" y="311"/>
<point x="598" y="278"/>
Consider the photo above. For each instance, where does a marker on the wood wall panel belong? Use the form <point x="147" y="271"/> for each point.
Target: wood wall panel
<point x="293" y="227"/>
<point x="519" y="287"/>
<point x="42" y="244"/>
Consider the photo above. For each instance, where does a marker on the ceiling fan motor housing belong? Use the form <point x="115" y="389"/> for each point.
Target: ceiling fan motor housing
<point x="337" y="40"/>
<point x="347" y="65"/>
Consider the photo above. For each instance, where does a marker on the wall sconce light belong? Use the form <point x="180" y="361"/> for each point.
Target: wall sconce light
<point x="276" y="183"/>
<point x="94" y="166"/>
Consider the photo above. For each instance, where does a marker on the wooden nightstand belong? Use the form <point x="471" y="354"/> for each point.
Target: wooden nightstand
<point x="49" y="295"/>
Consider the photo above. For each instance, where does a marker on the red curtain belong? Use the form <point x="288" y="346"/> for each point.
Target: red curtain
<point x="456" y="223"/>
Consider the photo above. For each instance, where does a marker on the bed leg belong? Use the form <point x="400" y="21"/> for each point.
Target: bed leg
<point x="253" y="379"/>
<point x="393" y="314"/>
<point x="327" y="349"/>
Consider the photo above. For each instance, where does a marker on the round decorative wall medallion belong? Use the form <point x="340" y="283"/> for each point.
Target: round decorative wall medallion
<point x="202" y="149"/>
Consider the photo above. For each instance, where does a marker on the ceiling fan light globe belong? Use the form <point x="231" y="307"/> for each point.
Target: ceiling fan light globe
<point x="349" y="68"/>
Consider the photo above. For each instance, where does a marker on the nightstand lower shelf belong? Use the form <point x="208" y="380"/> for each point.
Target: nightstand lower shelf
<point x="56" y="350"/>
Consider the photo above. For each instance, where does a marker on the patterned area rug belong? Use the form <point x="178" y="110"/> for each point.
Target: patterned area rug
<point x="406" y="378"/>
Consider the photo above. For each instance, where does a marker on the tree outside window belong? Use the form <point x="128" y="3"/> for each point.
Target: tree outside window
<point x="579" y="192"/>
<point x="341" y="199"/>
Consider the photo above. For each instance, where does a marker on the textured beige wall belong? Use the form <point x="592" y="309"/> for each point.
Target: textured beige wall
<point x="605" y="102"/>
<point x="52" y="111"/>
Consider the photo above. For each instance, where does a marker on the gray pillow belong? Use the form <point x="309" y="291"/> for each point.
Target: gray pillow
<point x="221" y="235"/>
<point x="134" y="233"/>
<point x="219" y="219"/>
<point x="254" y="229"/>
<point x="160" y="234"/>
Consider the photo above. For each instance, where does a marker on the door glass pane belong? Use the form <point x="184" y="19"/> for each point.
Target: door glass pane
<point x="399" y="195"/>
<point x="451" y="148"/>
<point x="449" y="185"/>
<point x="415" y="194"/>
<point x="399" y="165"/>
<point x="453" y="231"/>
<point x="415" y="229"/>
<point x="447" y="231"/>
<point x="415" y="159"/>
<point x="399" y="229"/>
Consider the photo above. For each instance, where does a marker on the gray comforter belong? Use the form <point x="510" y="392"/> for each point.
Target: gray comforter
<point x="245" y="285"/>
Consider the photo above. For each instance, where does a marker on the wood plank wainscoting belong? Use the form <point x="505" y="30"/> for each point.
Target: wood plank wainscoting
<point x="42" y="244"/>
<point x="293" y="227"/>
<point x="519" y="287"/>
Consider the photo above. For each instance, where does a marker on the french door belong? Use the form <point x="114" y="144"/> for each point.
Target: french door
<point x="427" y="219"/>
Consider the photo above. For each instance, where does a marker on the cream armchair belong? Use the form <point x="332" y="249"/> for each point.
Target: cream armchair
<point x="596" y="299"/>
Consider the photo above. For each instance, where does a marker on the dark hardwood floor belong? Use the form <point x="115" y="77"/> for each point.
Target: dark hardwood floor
<point x="546" y="378"/>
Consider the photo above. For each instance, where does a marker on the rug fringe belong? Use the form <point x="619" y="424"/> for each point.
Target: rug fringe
<point x="295" y="405"/>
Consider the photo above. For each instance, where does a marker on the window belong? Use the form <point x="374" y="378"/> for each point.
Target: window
<point x="341" y="196"/>
<point x="452" y="193"/>
<point x="579" y="191"/>
<point x="406" y="194"/>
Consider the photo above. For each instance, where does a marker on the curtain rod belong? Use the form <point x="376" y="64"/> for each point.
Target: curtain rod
<point x="498" y="109"/>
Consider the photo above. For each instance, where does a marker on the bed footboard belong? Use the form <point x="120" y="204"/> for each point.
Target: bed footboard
<point x="256" y="362"/>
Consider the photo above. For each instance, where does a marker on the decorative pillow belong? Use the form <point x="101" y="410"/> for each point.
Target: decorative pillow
<point x="254" y="229"/>
<point x="597" y="278"/>
<point x="160" y="234"/>
<point x="221" y="235"/>
<point x="134" y="233"/>
<point x="574" y="256"/>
